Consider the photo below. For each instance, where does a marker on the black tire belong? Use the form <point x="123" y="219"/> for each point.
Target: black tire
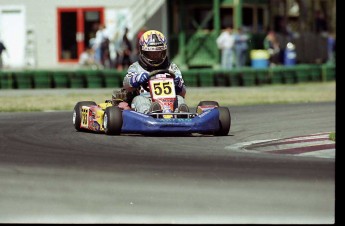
<point x="77" y="113"/>
<point x="208" y="102"/>
<point x="224" y="121"/>
<point x="112" y="120"/>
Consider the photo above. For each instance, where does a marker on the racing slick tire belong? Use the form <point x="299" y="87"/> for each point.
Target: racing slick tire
<point x="77" y="113"/>
<point x="208" y="102"/>
<point x="112" y="121"/>
<point x="224" y="121"/>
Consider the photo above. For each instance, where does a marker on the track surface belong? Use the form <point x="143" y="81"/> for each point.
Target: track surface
<point x="50" y="173"/>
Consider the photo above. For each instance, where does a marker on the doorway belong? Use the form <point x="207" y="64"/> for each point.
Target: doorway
<point x="13" y="35"/>
<point x="76" y="26"/>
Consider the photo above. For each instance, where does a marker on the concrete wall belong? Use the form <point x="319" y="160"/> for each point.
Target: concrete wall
<point x="41" y="17"/>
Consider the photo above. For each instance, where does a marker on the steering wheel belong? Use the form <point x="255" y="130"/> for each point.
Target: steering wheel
<point x="152" y="74"/>
<point x="169" y="73"/>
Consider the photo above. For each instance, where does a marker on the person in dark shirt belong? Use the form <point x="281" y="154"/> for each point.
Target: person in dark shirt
<point x="320" y="22"/>
<point x="127" y="51"/>
<point x="2" y="49"/>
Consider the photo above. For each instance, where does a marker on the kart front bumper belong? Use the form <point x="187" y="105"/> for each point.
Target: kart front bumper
<point x="134" y="122"/>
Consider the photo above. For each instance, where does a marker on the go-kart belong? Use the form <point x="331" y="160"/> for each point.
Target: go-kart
<point x="208" y="118"/>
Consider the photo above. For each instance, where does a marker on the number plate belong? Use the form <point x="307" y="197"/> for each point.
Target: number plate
<point x="85" y="117"/>
<point x="162" y="88"/>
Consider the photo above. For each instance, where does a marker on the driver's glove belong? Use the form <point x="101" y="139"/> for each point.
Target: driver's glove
<point x="138" y="79"/>
<point x="178" y="84"/>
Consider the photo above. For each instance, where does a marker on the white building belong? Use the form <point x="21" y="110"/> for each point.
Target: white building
<point x="53" y="33"/>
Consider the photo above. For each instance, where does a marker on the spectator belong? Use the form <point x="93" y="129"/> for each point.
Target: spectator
<point x="87" y="59"/>
<point x="105" y="51"/>
<point x="139" y="34"/>
<point x="100" y="44"/>
<point x="225" y="42"/>
<point x="2" y="49"/>
<point x="127" y="50"/>
<point x="320" y="22"/>
<point x="331" y="47"/>
<point x="271" y="44"/>
<point x="117" y="42"/>
<point x="241" y="48"/>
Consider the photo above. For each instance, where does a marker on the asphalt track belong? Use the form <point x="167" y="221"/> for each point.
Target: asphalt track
<point x="50" y="173"/>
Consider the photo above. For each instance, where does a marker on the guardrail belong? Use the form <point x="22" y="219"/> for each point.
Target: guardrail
<point x="38" y="79"/>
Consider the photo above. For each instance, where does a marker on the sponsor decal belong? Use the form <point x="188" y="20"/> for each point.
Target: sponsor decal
<point x="204" y="113"/>
<point x="175" y="120"/>
<point x="202" y="109"/>
<point x="161" y="75"/>
<point x="154" y="48"/>
<point x="96" y="126"/>
<point x="166" y="109"/>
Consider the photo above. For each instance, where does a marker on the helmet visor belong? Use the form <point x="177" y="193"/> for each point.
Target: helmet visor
<point x="155" y="56"/>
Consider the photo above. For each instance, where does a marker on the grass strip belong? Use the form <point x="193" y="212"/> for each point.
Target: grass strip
<point x="65" y="99"/>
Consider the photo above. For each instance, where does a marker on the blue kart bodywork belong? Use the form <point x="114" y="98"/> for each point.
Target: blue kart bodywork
<point x="135" y="122"/>
<point x="209" y="118"/>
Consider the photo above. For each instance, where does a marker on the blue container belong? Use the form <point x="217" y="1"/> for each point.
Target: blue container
<point x="290" y="55"/>
<point x="260" y="63"/>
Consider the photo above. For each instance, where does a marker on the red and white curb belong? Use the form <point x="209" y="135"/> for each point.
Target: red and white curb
<point x="317" y="145"/>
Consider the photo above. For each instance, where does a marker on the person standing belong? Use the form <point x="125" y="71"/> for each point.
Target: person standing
<point x="241" y="48"/>
<point x="87" y="59"/>
<point x="331" y="40"/>
<point x="272" y="45"/>
<point x="2" y="49"/>
<point x="99" y="44"/>
<point x="139" y="34"/>
<point x="225" y="43"/>
<point x="137" y="45"/>
<point x="127" y="50"/>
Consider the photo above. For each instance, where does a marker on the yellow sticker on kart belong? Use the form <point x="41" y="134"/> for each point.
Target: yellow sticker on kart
<point x="162" y="88"/>
<point x="85" y="117"/>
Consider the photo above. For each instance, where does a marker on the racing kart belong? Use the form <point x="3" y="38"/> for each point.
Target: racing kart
<point x="208" y="118"/>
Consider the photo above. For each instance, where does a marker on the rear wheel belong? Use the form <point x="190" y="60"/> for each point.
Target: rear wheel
<point x="224" y="121"/>
<point x="77" y="113"/>
<point x="112" y="121"/>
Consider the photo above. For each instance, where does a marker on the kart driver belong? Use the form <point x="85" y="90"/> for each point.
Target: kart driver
<point x="152" y="56"/>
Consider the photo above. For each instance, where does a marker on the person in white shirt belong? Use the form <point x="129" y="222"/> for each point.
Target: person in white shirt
<point x="225" y="43"/>
<point x="87" y="58"/>
<point x="101" y="37"/>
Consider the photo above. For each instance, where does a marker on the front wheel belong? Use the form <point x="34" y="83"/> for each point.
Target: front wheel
<point x="224" y="121"/>
<point x="112" y="121"/>
<point x="208" y="102"/>
<point x="77" y="115"/>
